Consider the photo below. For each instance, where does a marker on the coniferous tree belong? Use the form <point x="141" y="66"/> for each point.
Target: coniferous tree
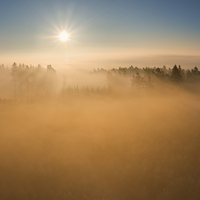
<point x="176" y="73"/>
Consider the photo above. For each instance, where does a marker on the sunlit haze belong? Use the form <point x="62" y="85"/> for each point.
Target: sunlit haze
<point x="103" y="34"/>
<point x="99" y="100"/>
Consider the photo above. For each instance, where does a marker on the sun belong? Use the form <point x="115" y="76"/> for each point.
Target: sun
<point x="63" y="36"/>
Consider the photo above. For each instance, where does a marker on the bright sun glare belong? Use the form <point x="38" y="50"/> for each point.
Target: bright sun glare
<point x="63" y="36"/>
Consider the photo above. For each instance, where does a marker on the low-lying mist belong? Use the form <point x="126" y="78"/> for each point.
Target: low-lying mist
<point x="132" y="138"/>
<point x="110" y="147"/>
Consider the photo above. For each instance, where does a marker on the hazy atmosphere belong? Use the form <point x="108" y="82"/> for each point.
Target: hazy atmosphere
<point x="102" y="33"/>
<point x="99" y="100"/>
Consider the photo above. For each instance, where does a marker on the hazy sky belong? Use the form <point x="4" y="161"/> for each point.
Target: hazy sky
<point x="106" y="33"/>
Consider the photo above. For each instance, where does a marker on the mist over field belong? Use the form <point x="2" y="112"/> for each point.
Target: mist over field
<point x="125" y="133"/>
<point x="99" y="100"/>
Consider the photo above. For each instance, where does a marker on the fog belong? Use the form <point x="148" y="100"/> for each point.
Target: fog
<point x="116" y="141"/>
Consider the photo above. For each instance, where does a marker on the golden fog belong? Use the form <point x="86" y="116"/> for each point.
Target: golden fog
<point x="109" y="145"/>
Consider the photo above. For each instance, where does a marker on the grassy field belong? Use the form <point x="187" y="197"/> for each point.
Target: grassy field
<point x="108" y="148"/>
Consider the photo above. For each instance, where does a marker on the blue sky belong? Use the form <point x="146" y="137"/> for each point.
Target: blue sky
<point x="108" y="33"/>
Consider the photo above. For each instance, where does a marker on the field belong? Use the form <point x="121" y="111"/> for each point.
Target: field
<point x="101" y="147"/>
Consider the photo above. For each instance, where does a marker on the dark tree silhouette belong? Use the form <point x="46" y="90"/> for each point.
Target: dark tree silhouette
<point x="176" y="73"/>
<point x="195" y="71"/>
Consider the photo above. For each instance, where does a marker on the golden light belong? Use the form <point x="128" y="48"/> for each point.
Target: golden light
<point x="63" y="36"/>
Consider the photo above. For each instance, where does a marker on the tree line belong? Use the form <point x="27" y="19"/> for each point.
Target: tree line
<point x="31" y="81"/>
<point x="147" y="77"/>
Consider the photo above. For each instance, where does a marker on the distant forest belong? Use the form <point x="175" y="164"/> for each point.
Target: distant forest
<point x="31" y="82"/>
<point x="27" y="82"/>
<point x="148" y="76"/>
